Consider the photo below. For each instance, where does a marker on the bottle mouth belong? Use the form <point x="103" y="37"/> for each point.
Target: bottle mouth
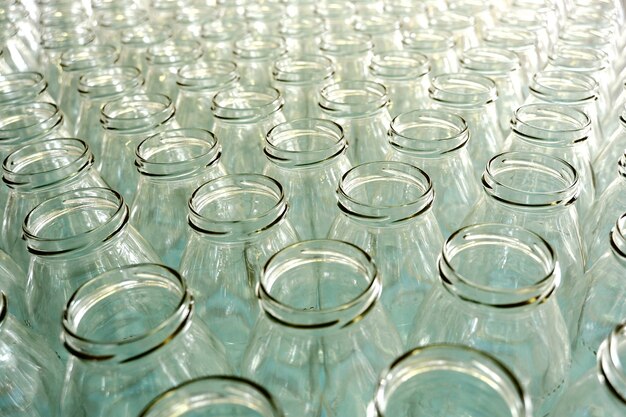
<point x="28" y="121"/>
<point x="529" y="180"/>
<point x="208" y="76"/>
<point x="318" y="285"/>
<point x="126" y="313"/>
<point x="498" y="265"/>
<point x="196" y="15"/>
<point x="551" y="125"/>
<point x="511" y="38"/>
<point x="586" y="35"/>
<point x="385" y="193"/>
<point x="240" y="206"/>
<point x="178" y="52"/>
<point x="21" y="87"/>
<point x="611" y="360"/>
<point x="221" y="30"/>
<point x="429" y="41"/>
<point x="259" y="47"/>
<point x="301" y="27"/>
<point x="86" y="57"/>
<point x="427" y="372"/>
<point x="47" y="163"/>
<point x="177" y="154"/>
<point x="305" y="69"/>
<point x="428" y="133"/>
<point x="74" y="220"/>
<point x="137" y="113"/>
<point x="304" y="143"/>
<point x="62" y="16"/>
<point x="345" y="43"/>
<point x="376" y="24"/>
<point x="353" y="98"/>
<point x="335" y="9"/>
<point x="214" y="395"/>
<point x="523" y="18"/>
<point x="451" y="21"/>
<point x="62" y="38"/>
<point x="400" y="65"/>
<point x="463" y="90"/>
<point x="121" y="17"/>
<point x="107" y="82"/>
<point x="565" y="87"/>
<point x="579" y="59"/>
<point x="469" y="7"/>
<point x="263" y="11"/>
<point x="490" y="61"/>
<point x="246" y="103"/>
<point x="618" y="235"/>
<point x="145" y="35"/>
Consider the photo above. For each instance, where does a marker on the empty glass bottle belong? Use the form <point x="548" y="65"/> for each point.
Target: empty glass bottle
<point x="214" y="396"/>
<point x="337" y="15"/>
<point x="218" y="37"/>
<point x="23" y="87"/>
<point x="521" y="41"/>
<point x="385" y="209"/>
<point x="308" y="157"/>
<point x="136" y="40"/>
<point x="360" y="108"/>
<point x="319" y="306"/>
<point x="263" y="18"/>
<point x="72" y="238"/>
<point x="437" y="45"/>
<point x="255" y="56"/>
<point x="350" y="52"/>
<point x="132" y="333"/>
<point x="384" y="30"/>
<point x="112" y="21"/>
<point x="236" y="223"/>
<point x="462" y="28"/>
<point x="436" y="142"/>
<point x="496" y="293"/>
<point x="605" y="162"/>
<point x="302" y="34"/>
<point x="411" y="15"/>
<point x="15" y="52"/>
<point x="449" y="380"/>
<point x="13" y="285"/>
<point x="171" y="165"/>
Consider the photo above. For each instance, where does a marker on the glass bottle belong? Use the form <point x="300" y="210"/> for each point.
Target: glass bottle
<point x="30" y="384"/>
<point x="189" y="21"/>
<point x="601" y="391"/>
<point x="264" y="18"/>
<point x="165" y="11"/>
<point x="437" y="45"/>
<point x="62" y="14"/>
<point x="136" y="40"/>
<point x="308" y="157"/>
<point x="449" y="380"/>
<point x="436" y="142"/>
<point x="496" y="293"/>
<point x="23" y="87"/>
<point x="72" y="238"/>
<point x="337" y="15"/>
<point x="360" y="108"/>
<point x="385" y="209"/>
<point x="218" y="38"/>
<point x="318" y="302"/>
<point x="405" y="76"/>
<point x="13" y="285"/>
<point x="528" y="20"/>
<point x="28" y="30"/>
<point x="302" y="34"/>
<point x="473" y="97"/>
<point x="214" y="396"/>
<point x="411" y="15"/>
<point x="462" y="28"/>
<point x="610" y="152"/>
<point x="383" y="30"/>
<point x="560" y="131"/>
<point x="172" y="165"/>
<point x="127" y="121"/>
<point x="350" y="52"/>
<point x="539" y="192"/>
<point x="482" y="12"/>
<point x="130" y="334"/>
<point x="113" y="21"/>
<point x="236" y="223"/>
<point x="255" y="56"/>
<point x="243" y="115"/>
<point x="522" y="42"/>
<point x="15" y="52"/>
<point x="299" y="80"/>
<point x="603" y="39"/>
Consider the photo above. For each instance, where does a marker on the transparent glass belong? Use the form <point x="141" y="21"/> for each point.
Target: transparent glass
<point x="360" y="108"/>
<point x="462" y="28"/>
<point x="263" y="18"/>
<point x="165" y="11"/>
<point x="605" y="162"/>
<point x="218" y="37"/>
<point x="15" y="52"/>
<point x="308" y="157"/>
<point x="113" y="21"/>
<point x="337" y="15"/>
<point x="236" y="223"/>
<point x="72" y="238"/>
<point x="385" y="209"/>
<point x="255" y="56"/>
<point x="516" y="39"/>
<point x="411" y="15"/>
<point x="299" y="80"/>
<point x="436" y="142"/>
<point x="405" y="75"/>
<point x="473" y="97"/>
<point x="483" y="12"/>
<point x="526" y="19"/>
<point x="132" y="333"/>
<point x="30" y="383"/>
<point x="127" y="121"/>
<point x="604" y="39"/>
<point x="350" y="52"/>
<point x="136" y="40"/>
<point x="384" y="31"/>
<point x="437" y="45"/>
<point x="496" y="293"/>
<point x="539" y="192"/>
<point x="243" y="116"/>
<point x="171" y="165"/>
<point x="302" y="34"/>
<point x="13" y="285"/>
<point x="192" y="17"/>
<point x="23" y="87"/>
<point x="419" y="384"/>
<point x="215" y="396"/>
<point x="319" y="306"/>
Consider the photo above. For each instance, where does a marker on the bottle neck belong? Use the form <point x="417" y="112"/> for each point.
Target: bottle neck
<point x="551" y="125"/>
<point x="611" y="359"/>
<point x="21" y="87"/>
<point x="463" y="90"/>
<point x="353" y="98"/>
<point x="23" y="123"/>
<point x="211" y="76"/>
<point x="246" y="103"/>
<point x="137" y="113"/>
<point x="564" y="87"/>
<point x="108" y="83"/>
<point x="302" y="70"/>
<point x="87" y="57"/>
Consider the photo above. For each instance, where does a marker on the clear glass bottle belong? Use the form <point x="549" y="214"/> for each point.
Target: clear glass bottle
<point x="337" y="15"/>
<point x="113" y="21"/>
<point x="218" y="38"/>
<point x="411" y="15"/>
<point x="243" y="115"/>
<point x="610" y="152"/>
<point x="449" y="380"/>
<point x="136" y="40"/>
<point x="436" y="142"/>
<point x="360" y="108"/>
<point x="255" y="56"/>
<point x="462" y="28"/>
<point x="302" y="34"/>
<point x="263" y="18"/>
<point x="13" y="285"/>
<point x="473" y="97"/>
<point x="215" y="396"/>
<point x="132" y="333"/>
<point x="437" y="45"/>
<point x="299" y="80"/>
<point x="526" y="19"/>
<point x="350" y="52"/>
<point x="405" y="75"/>
<point x="522" y="42"/>
<point x="604" y="39"/>
<point x="30" y="384"/>
<point x="539" y="192"/>
<point x="72" y="238"/>
<point x="171" y="165"/>
<point x="385" y="209"/>
<point x="15" y="52"/>
<point x="189" y="20"/>
<point x="482" y="12"/>
<point x="23" y="87"/>
<point x="496" y="293"/>
<point x="127" y="121"/>
<point x="308" y="157"/>
<point x="319" y="306"/>
<point x="383" y="29"/>
<point x="236" y="223"/>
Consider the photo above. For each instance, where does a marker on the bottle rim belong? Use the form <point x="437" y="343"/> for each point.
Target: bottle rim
<point x="110" y="81"/>
<point x="429" y="41"/>
<point x="611" y="369"/>
<point x="246" y="103"/>
<point x="511" y="38"/>
<point x="4" y="308"/>
<point x="137" y="113"/>
<point x="62" y="38"/>
<point x="618" y="236"/>
<point x="564" y="87"/>
<point x="259" y="47"/>
<point x="221" y="30"/>
<point x="376" y="24"/>
<point x="21" y="87"/>
<point x="451" y="21"/>
<point x="121" y="17"/>
<point x="301" y="27"/>
<point x="536" y="123"/>
<point x="490" y="61"/>
<point x="399" y="65"/>
<point x="207" y="76"/>
<point x="579" y="59"/>
<point x="303" y="69"/>
<point x="145" y="35"/>
<point x="174" y="53"/>
<point x="463" y="90"/>
<point x="353" y="98"/>
<point x="341" y="44"/>
<point x="21" y="123"/>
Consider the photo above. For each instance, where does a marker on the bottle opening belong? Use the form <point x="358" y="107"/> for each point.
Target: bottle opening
<point x="246" y="103"/>
<point x="429" y="41"/>
<point x="171" y="53"/>
<point x="305" y="69"/>
<point x="353" y="98"/>
<point x="551" y="124"/>
<point x="565" y="87"/>
<point x="137" y="113"/>
<point x="87" y="57"/>
<point x="451" y="21"/>
<point x="208" y="76"/>
<point x="21" y="87"/>
<point x="145" y="35"/>
<point x="490" y="61"/>
<point x="221" y="30"/>
<point x="107" y="82"/>
<point x="376" y="24"/>
<point x="28" y="121"/>
<point x="259" y="47"/>
<point x="61" y="38"/>
<point x="611" y="359"/>
<point x="345" y="43"/>
<point x="462" y="89"/>
<point x="400" y="65"/>
<point x="511" y="38"/>
<point x="579" y="59"/>
<point x="301" y="27"/>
